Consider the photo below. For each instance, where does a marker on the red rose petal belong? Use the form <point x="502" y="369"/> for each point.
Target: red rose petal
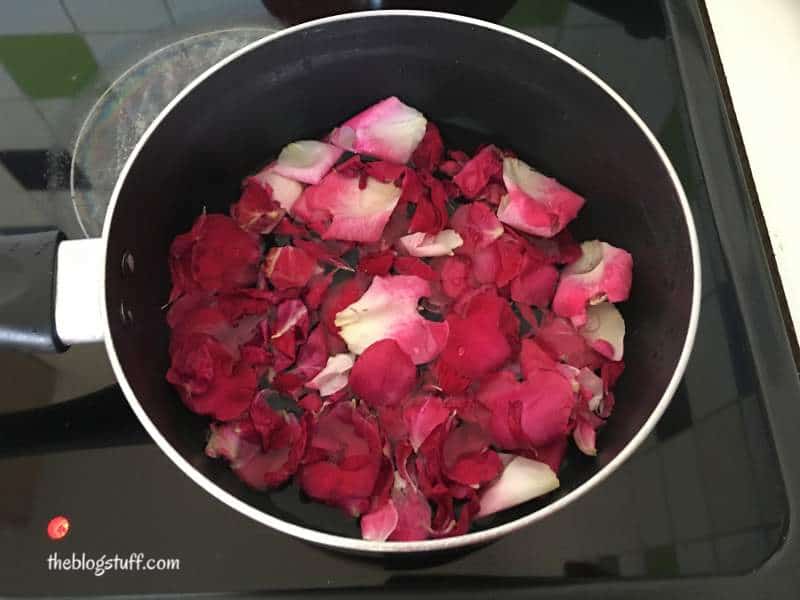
<point x="215" y="255"/>
<point x="476" y="344"/>
<point x="383" y="374"/>
<point x="430" y="150"/>
<point x="376" y="264"/>
<point x="477" y="225"/>
<point x="422" y="416"/>
<point x="256" y="210"/>
<point x="345" y="451"/>
<point x="411" y="265"/>
<point x="479" y="171"/>
<point x="560" y="340"/>
<point x="339" y="297"/>
<point x="285" y="191"/>
<point x="289" y="267"/>
<point x="455" y="275"/>
<point x="536" y="285"/>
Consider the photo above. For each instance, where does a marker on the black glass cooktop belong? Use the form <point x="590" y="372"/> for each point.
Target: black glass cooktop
<point x="704" y="507"/>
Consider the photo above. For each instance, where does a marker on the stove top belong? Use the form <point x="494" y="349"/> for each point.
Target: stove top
<point x="704" y="506"/>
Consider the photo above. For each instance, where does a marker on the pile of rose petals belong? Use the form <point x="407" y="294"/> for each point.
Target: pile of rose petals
<point x="433" y="325"/>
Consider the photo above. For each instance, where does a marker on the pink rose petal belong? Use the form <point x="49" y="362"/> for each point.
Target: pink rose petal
<point x="379" y="524"/>
<point x="341" y="209"/>
<point x="388" y="310"/>
<point x="427" y="245"/>
<point x="522" y="479"/>
<point x="535" y="204"/>
<point x="333" y="377"/>
<point x="389" y="130"/>
<point x="307" y="161"/>
<point x="285" y="191"/>
<point x="602" y="273"/>
<point x="604" y="330"/>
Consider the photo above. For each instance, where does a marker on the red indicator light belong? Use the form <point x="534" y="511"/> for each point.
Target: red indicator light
<point x="58" y="527"/>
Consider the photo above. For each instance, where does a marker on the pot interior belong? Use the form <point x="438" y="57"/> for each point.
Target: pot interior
<point x="480" y="86"/>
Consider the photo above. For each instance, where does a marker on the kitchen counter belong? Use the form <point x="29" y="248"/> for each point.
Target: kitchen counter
<point x="759" y="46"/>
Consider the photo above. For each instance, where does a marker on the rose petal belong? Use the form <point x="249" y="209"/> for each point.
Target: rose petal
<point x="602" y="273"/>
<point x="344" y="458"/>
<point x="389" y="130"/>
<point x="604" y="330"/>
<point x="354" y="213"/>
<point x="533" y="358"/>
<point x="334" y="376"/>
<point x="560" y="340"/>
<point x="285" y="191"/>
<point x="422" y="416"/>
<point x="413" y="511"/>
<point x="535" y="286"/>
<point x="340" y="296"/>
<point x="477" y="344"/>
<point x="411" y="265"/>
<point x="431" y="214"/>
<point x="455" y="275"/>
<point x="376" y="264"/>
<point x="307" y="161"/>
<point x="426" y="245"/>
<point x="522" y="480"/>
<point x="236" y="441"/>
<point x="288" y="267"/>
<point x="256" y="210"/>
<point x="215" y="255"/>
<point x="467" y="457"/>
<point x="316" y="289"/>
<point x="430" y="150"/>
<point x="479" y="171"/>
<point x="535" y="204"/>
<point x="383" y="375"/>
<point x="379" y="524"/>
<point x="547" y="405"/>
<point x="477" y="225"/>
<point x="388" y="310"/>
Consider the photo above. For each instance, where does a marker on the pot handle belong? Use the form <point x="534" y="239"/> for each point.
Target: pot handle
<point x="50" y="291"/>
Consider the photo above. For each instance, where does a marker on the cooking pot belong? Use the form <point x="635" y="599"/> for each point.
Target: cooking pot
<point x="479" y="82"/>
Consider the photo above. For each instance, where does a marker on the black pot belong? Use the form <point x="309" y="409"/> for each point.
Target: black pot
<point x="479" y="82"/>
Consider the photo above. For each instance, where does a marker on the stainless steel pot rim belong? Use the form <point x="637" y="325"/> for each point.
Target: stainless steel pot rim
<point x="478" y="537"/>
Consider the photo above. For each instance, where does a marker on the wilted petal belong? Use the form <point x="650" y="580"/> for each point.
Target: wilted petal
<point x="388" y="310"/>
<point x="522" y="479"/>
<point x="389" y="130"/>
<point x="307" y="160"/>
<point x="535" y="204"/>
<point x="602" y="273"/>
